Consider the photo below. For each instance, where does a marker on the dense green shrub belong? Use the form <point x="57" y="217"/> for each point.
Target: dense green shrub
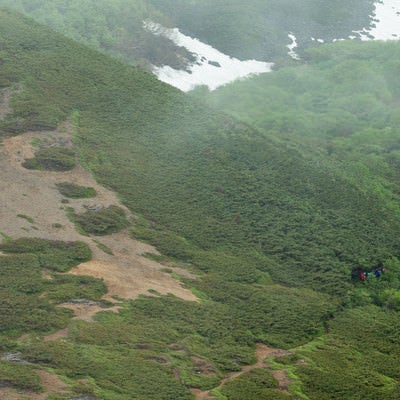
<point x="102" y="222"/>
<point x="22" y="306"/>
<point x="72" y="287"/>
<point x="20" y="272"/>
<point x="20" y="312"/>
<point x="52" y="159"/>
<point x="74" y="191"/>
<point x="257" y="384"/>
<point x="20" y="376"/>
<point x="51" y="254"/>
<point x="119" y="374"/>
<point x="359" y="356"/>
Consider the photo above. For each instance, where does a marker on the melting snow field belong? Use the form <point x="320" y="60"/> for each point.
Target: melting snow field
<point x="211" y="68"/>
<point x="292" y="46"/>
<point x="385" y="24"/>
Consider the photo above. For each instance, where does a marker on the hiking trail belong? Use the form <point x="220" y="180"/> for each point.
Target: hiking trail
<point x="262" y="352"/>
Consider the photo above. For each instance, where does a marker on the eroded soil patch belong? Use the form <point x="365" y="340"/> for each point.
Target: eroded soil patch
<point x="34" y="195"/>
<point x="86" y="312"/>
<point x="62" y="333"/>
<point x="5" y="96"/>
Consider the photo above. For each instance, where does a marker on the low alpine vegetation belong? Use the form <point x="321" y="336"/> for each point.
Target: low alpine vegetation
<point x="102" y="222"/>
<point x="51" y="254"/>
<point x="74" y="191"/>
<point x="52" y="159"/>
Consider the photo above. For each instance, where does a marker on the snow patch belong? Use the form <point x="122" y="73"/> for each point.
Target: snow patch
<point x="292" y="46"/>
<point x="211" y="67"/>
<point x="385" y="22"/>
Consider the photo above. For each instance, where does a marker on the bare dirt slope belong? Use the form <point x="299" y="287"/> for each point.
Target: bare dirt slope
<point x="31" y="206"/>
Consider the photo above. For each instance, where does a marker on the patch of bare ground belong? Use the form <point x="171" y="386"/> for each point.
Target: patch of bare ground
<point x="51" y="383"/>
<point x="62" y="333"/>
<point x="46" y="276"/>
<point x="262" y="353"/>
<point x="24" y="337"/>
<point x="302" y="362"/>
<point x="5" y="96"/>
<point x="202" y="366"/>
<point x="128" y="280"/>
<point x="200" y="395"/>
<point x="86" y="312"/>
<point x="281" y="376"/>
<point x="11" y="394"/>
<point x="127" y="273"/>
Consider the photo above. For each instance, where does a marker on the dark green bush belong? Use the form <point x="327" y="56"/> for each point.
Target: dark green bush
<point x="359" y="355"/>
<point x="52" y="159"/>
<point x="71" y="287"/>
<point x="20" y="376"/>
<point x="123" y="372"/>
<point x="22" y="306"/>
<point x="257" y="384"/>
<point x="20" y="272"/>
<point x="74" y="191"/>
<point x="20" y="312"/>
<point x="102" y="222"/>
<point x="52" y="254"/>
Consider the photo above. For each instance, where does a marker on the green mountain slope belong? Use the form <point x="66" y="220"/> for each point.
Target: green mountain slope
<point x="271" y="232"/>
<point x="115" y="28"/>
<point x="220" y="181"/>
<point x="255" y="29"/>
<point x="342" y="106"/>
<point x="259" y="29"/>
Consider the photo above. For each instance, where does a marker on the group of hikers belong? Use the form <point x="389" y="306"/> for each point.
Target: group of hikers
<point x="376" y="272"/>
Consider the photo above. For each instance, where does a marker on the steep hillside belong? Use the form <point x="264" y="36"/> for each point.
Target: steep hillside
<point x="220" y="181"/>
<point x="257" y="29"/>
<point x="115" y="28"/>
<point x="342" y="107"/>
<point x="261" y="234"/>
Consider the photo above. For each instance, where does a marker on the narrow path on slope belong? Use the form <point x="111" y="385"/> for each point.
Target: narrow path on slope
<point x="262" y="353"/>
